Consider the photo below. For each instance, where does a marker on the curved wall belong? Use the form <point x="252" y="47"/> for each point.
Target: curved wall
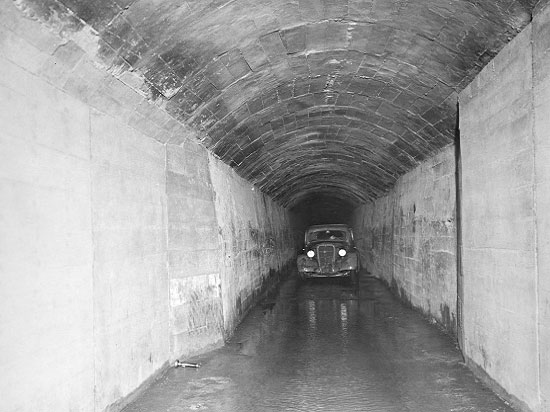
<point x="408" y="238"/>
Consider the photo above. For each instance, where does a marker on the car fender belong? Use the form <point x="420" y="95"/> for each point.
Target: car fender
<point x="304" y="262"/>
<point x="350" y="260"/>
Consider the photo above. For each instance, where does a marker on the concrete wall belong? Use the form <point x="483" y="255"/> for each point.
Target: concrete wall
<point x="541" y="129"/>
<point x="46" y="253"/>
<point x="84" y="316"/>
<point x="504" y="121"/>
<point x="408" y="238"/>
<point x="227" y="245"/>
<point x="257" y="244"/>
<point x="129" y="269"/>
<point x="195" y="285"/>
<point x="111" y="258"/>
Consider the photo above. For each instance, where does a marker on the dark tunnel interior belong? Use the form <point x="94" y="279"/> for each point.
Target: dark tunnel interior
<point x="319" y="209"/>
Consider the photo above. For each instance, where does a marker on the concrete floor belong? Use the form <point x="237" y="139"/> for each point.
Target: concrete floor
<point x="327" y="346"/>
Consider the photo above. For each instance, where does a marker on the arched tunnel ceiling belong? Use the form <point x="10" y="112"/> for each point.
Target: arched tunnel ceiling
<point x="308" y="97"/>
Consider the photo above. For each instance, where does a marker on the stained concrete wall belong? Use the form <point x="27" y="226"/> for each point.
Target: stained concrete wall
<point x="227" y="245"/>
<point x="195" y="285"/>
<point x="110" y="245"/>
<point x="256" y="240"/>
<point x="504" y="122"/>
<point x="408" y="238"/>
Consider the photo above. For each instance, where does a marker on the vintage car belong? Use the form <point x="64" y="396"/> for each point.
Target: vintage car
<point x="329" y="252"/>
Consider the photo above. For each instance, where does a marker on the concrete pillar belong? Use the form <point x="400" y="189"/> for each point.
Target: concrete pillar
<point x="504" y="121"/>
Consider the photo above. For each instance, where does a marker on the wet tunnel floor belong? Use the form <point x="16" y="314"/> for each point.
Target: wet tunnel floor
<point x="325" y="345"/>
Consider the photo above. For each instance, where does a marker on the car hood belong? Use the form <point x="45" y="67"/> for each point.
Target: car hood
<point x="328" y="242"/>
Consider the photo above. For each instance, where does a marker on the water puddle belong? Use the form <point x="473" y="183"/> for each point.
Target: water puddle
<point x="325" y="345"/>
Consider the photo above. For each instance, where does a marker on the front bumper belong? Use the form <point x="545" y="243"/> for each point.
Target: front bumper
<point x="309" y="267"/>
<point x="341" y="274"/>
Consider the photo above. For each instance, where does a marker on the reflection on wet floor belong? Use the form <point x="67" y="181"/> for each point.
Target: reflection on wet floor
<point x="325" y="345"/>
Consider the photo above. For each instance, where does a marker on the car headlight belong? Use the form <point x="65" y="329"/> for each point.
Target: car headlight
<point x="310" y="253"/>
<point x="342" y="252"/>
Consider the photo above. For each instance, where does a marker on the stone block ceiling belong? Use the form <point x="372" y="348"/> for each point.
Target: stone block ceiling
<point x="306" y="98"/>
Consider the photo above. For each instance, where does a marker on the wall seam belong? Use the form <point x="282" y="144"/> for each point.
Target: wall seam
<point x="166" y="260"/>
<point x="458" y="220"/>
<point x="221" y="251"/>
<point x="94" y="332"/>
<point x="393" y="237"/>
<point x="535" y="218"/>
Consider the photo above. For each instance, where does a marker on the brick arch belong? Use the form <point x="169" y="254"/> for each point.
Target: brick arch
<point x="260" y="80"/>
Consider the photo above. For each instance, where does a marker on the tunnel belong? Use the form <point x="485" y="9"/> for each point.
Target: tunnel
<point x="161" y="160"/>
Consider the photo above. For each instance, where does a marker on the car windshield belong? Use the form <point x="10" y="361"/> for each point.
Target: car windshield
<point x="327" y="235"/>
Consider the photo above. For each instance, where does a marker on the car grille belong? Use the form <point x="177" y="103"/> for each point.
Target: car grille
<point x="325" y="255"/>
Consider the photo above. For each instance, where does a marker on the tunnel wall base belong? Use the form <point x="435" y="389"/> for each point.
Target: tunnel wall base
<point x="505" y="125"/>
<point x="408" y="238"/>
<point x="495" y="386"/>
